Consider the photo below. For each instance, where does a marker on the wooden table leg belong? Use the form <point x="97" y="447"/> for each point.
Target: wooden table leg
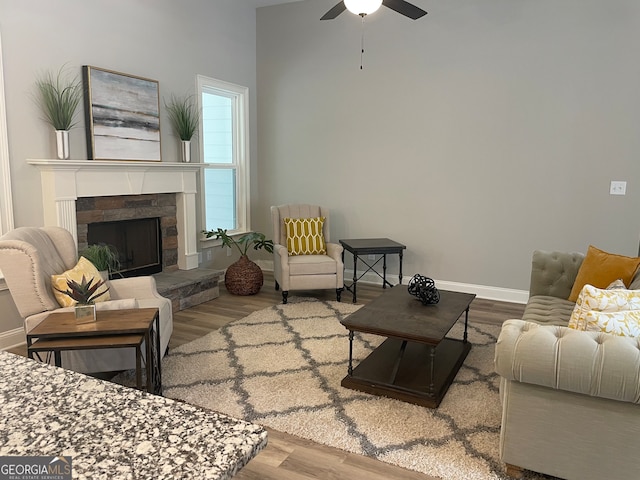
<point x="514" y="471"/>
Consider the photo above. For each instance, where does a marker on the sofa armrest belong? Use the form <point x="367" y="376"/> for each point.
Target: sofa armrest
<point x="334" y="250"/>
<point x="590" y="363"/>
<point x="134" y="287"/>
<point x="554" y="273"/>
<point x="281" y="256"/>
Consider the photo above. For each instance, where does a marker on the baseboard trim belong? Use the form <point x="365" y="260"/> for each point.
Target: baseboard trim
<point x="486" y="292"/>
<point x="12" y="338"/>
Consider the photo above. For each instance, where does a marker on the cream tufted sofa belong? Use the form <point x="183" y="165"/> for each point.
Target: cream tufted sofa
<point x="569" y="398"/>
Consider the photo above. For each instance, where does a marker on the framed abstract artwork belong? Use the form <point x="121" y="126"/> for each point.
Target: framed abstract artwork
<point x="122" y="115"/>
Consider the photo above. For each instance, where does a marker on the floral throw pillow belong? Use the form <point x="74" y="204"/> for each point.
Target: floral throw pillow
<point x="600" y="300"/>
<point x="625" y="323"/>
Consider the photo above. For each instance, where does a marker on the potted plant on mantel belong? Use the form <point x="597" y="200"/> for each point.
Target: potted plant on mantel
<point x="59" y="97"/>
<point x="243" y="277"/>
<point x="183" y="115"/>
<point x="85" y="294"/>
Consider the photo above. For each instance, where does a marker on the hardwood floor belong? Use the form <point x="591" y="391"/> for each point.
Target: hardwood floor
<point x="287" y="457"/>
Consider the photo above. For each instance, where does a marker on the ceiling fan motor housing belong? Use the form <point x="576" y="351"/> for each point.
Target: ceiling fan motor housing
<point x="362" y="7"/>
<point x="365" y="7"/>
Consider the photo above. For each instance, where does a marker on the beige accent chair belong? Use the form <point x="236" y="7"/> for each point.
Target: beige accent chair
<point x="28" y="258"/>
<point x="305" y="272"/>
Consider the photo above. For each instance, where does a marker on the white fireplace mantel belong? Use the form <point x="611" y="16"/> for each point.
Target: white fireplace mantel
<point x="64" y="181"/>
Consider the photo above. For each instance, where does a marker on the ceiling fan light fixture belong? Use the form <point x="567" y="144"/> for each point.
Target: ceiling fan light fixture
<point x="362" y="7"/>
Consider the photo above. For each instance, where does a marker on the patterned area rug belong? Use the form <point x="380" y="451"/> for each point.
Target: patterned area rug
<point x="281" y="367"/>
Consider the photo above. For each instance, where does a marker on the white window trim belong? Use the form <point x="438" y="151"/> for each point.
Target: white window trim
<point x="6" y="207"/>
<point x="6" y="204"/>
<point x="241" y="145"/>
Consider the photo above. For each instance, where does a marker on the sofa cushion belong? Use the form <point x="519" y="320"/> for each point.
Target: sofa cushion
<point x="120" y="304"/>
<point x="304" y="236"/>
<point x="548" y="310"/>
<point x="600" y="268"/>
<point x="554" y="273"/>
<point x="601" y="300"/>
<point x="312" y="265"/>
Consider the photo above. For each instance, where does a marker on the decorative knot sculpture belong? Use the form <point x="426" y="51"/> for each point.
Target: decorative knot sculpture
<point x="424" y="288"/>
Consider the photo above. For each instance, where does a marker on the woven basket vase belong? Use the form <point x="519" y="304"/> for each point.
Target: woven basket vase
<point x="243" y="277"/>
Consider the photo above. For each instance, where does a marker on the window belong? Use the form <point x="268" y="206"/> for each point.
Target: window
<point x="224" y="150"/>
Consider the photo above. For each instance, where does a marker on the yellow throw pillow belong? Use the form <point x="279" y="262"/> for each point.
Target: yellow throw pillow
<point x="304" y="236"/>
<point x="592" y="299"/>
<point x="83" y="267"/>
<point x="626" y="323"/>
<point x="600" y="268"/>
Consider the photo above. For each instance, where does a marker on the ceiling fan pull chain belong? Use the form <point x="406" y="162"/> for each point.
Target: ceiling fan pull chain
<point x="362" y="42"/>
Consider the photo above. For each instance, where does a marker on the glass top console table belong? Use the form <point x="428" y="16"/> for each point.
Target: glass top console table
<point x="371" y="246"/>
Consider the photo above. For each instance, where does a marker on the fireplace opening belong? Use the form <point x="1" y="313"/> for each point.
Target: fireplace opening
<point x="138" y="243"/>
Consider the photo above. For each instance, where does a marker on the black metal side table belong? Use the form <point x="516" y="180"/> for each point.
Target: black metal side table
<point x="371" y="246"/>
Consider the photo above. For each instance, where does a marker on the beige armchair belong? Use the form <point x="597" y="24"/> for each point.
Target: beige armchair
<point x="305" y="272"/>
<point x="28" y="258"/>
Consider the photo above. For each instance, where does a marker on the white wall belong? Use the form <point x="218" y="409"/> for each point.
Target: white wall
<point x="163" y="40"/>
<point x="474" y="135"/>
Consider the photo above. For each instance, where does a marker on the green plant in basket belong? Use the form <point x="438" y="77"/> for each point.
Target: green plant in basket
<point x="243" y="277"/>
<point x="84" y="292"/>
<point x="242" y="243"/>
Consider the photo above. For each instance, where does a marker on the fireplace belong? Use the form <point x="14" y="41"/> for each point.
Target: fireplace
<point x="68" y="184"/>
<point x="141" y="227"/>
<point x="137" y="241"/>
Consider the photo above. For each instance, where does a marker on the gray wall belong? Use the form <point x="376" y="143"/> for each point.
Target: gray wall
<point x="164" y="40"/>
<point x="474" y="135"/>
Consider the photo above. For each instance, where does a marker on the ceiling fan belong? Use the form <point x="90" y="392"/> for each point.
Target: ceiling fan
<point x="366" y="7"/>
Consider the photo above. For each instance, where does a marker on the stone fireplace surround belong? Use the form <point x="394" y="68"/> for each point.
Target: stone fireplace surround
<point x="66" y="181"/>
<point x="91" y="210"/>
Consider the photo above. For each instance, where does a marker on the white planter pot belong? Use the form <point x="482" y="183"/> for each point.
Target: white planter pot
<point x="186" y="151"/>
<point x="85" y="313"/>
<point x="62" y="144"/>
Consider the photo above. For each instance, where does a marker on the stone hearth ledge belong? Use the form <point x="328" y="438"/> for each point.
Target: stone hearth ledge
<point x="187" y="288"/>
<point x="111" y="431"/>
<point x="64" y="181"/>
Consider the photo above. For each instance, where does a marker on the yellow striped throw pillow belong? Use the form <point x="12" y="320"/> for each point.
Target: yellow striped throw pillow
<point x="304" y="236"/>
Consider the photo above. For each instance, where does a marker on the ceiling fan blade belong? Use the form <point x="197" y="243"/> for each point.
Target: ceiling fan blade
<point x="405" y="8"/>
<point x="335" y="11"/>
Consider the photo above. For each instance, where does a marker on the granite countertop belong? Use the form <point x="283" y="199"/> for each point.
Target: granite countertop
<point x="111" y="431"/>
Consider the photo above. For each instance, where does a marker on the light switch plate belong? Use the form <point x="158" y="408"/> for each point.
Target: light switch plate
<point x="618" y="188"/>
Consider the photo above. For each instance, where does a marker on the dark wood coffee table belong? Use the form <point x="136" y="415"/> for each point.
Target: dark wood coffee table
<point x="124" y="328"/>
<point x="417" y="362"/>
